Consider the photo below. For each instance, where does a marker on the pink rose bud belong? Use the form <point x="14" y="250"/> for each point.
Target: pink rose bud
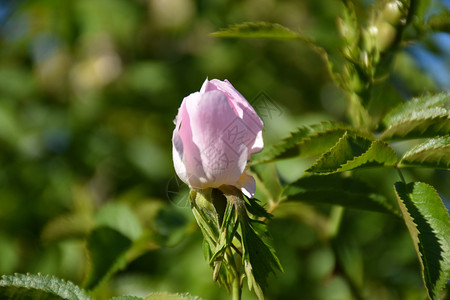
<point x="216" y="132"/>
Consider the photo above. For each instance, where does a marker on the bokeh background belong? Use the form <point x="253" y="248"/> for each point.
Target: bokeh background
<point x="88" y="93"/>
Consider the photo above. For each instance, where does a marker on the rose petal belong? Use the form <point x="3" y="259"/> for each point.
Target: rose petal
<point x="222" y="161"/>
<point x="216" y="131"/>
<point x="247" y="184"/>
<point x="244" y="110"/>
<point x="183" y="146"/>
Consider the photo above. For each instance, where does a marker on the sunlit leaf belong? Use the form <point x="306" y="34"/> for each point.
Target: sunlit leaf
<point x="418" y="118"/>
<point x="352" y="152"/>
<point x="336" y="190"/>
<point x="43" y="287"/>
<point x="307" y="141"/>
<point x="433" y="153"/>
<point x="261" y="30"/>
<point x="415" y="105"/>
<point x="428" y="223"/>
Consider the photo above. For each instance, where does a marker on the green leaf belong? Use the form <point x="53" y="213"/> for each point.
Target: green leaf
<point x="336" y="190"/>
<point x="168" y="296"/>
<point x="307" y="141"/>
<point x="352" y="151"/>
<point x="43" y="287"/>
<point x="170" y="225"/>
<point x="418" y="118"/>
<point x="118" y="231"/>
<point x="253" y="207"/>
<point x="440" y="21"/>
<point x="107" y="248"/>
<point x="406" y="109"/>
<point x="260" y="30"/>
<point x="119" y="216"/>
<point x="126" y="298"/>
<point x="428" y="223"/>
<point x="433" y="153"/>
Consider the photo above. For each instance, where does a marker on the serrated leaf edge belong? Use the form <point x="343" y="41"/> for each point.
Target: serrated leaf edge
<point x="416" y="240"/>
<point x="440" y="101"/>
<point x="48" y="281"/>
<point x="421" y="148"/>
<point x="310" y="136"/>
<point x="348" y="162"/>
<point x="445" y="114"/>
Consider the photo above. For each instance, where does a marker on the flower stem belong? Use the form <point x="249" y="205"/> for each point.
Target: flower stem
<point x="236" y="293"/>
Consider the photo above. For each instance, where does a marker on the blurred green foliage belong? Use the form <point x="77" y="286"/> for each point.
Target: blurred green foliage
<point x="88" y="92"/>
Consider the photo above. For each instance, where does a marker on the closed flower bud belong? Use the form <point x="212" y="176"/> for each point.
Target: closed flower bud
<point x="216" y="132"/>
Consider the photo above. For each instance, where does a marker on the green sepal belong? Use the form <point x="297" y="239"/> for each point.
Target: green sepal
<point x="240" y="246"/>
<point x="215" y="238"/>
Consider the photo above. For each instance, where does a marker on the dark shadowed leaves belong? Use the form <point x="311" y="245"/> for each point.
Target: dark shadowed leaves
<point x="336" y="190"/>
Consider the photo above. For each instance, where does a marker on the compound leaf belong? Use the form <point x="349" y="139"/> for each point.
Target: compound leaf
<point x="307" y="141"/>
<point x="337" y="190"/>
<point x="352" y="151"/>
